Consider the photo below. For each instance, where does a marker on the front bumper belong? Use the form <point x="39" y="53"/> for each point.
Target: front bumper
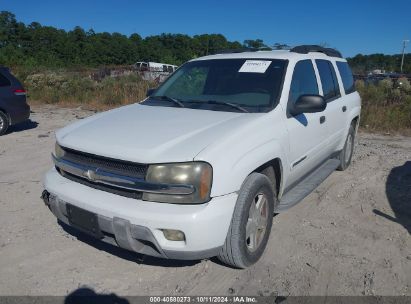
<point x="137" y="225"/>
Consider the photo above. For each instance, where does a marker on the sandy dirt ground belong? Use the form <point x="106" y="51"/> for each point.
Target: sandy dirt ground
<point x="349" y="237"/>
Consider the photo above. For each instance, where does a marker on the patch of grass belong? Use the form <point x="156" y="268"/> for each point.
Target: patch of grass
<point x="77" y="88"/>
<point x="386" y="107"/>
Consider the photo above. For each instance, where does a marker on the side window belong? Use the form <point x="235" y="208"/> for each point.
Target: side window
<point x="346" y="76"/>
<point x="144" y="66"/>
<point x="4" y="82"/>
<point x="303" y="81"/>
<point x="328" y="79"/>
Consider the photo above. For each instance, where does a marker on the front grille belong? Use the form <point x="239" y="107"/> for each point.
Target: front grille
<point x="120" y="167"/>
<point x="108" y="164"/>
<point x="102" y="187"/>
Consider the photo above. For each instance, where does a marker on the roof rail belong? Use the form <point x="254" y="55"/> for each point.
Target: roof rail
<point x="241" y="50"/>
<point x="305" y="49"/>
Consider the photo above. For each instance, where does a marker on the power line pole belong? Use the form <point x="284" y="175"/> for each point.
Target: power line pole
<point x="404" y="44"/>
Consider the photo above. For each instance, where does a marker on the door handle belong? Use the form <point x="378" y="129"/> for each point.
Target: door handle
<point x="322" y="119"/>
<point x="344" y="108"/>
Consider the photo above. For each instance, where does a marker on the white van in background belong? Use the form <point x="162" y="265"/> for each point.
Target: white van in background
<point x="154" y="71"/>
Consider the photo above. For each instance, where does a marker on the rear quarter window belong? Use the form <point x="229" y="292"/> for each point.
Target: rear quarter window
<point x="4" y="81"/>
<point x="346" y="76"/>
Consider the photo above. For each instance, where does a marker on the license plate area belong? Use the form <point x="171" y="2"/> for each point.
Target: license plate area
<point x="84" y="220"/>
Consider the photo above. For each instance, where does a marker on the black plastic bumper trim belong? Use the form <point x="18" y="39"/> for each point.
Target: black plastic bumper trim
<point x="120" y="232"/>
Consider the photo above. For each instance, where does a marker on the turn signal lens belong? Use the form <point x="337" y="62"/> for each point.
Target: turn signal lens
<point x="205" y="183"/>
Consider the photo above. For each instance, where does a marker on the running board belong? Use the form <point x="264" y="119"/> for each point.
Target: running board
<point x="307" y="185"/>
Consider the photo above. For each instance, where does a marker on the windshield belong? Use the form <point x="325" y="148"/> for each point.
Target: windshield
<point x="249" y="85"/>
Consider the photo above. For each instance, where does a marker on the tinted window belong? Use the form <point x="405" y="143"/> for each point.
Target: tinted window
<point x="304" y="80"/>
<point x="4" y="82"/>
<point x="346" y="76"/>
<point x="328" y="79"/>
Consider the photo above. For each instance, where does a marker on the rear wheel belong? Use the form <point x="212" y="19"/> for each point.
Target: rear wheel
<point x="4" y="123"/>
<point x="251" y="223"/>
<point x="348" y="150"/>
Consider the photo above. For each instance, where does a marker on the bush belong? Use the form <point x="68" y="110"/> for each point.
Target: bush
<point x="404" y="85"/>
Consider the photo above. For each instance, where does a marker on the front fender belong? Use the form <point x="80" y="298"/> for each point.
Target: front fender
<point x="229" y="171"/>
<point x="244" y="150"/>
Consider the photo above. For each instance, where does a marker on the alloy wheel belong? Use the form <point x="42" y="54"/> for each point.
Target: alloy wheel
<point x="257" y="222"/>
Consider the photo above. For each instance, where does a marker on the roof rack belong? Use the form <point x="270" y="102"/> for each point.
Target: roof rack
<point x="305" y="49"/>
<point x="241" y="50"/>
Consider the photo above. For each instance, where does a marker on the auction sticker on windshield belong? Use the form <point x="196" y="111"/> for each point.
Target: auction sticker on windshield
<point x="255" y="66"/>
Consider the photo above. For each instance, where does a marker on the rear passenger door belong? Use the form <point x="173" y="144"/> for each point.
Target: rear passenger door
<point x="336" y="108"/>
<point x="307" y="133"/>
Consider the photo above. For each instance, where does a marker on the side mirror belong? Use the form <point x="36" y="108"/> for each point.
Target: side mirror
<point x="150" y="92"/>
<point x="308" y="104"/>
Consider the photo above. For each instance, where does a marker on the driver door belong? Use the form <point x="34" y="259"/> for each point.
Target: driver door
<point x="307" y="131"/>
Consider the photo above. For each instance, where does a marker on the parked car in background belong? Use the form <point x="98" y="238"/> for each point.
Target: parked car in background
<point x="13" y="105"/>
<point x="200" y="167"/>
<point x="154" y="71"/>
<point x="155" y="67"/>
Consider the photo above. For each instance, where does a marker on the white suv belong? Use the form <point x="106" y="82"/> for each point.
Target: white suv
<point x="199" y="168"/>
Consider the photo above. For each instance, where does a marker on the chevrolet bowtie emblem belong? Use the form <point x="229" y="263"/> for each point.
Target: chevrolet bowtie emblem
<point x="90" y="174"/>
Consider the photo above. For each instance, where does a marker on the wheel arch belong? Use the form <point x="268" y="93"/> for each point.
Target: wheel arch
<point x="353" y="120"/>
<point x="8" y="120"/>
<point x="5" y="112"/>
<point x="273" y="169"/>
<point x="356" y="122"/>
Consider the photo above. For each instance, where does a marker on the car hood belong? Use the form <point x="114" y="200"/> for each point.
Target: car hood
<point x="151" y="134"/>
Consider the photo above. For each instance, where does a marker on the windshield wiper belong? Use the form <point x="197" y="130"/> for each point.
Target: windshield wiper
<point x="168" y="98"/>
<point x="233" y="105"/>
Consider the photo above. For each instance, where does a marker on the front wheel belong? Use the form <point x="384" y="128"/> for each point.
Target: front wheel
<point x="251" y="223"/>
<point x="348" y="150"/>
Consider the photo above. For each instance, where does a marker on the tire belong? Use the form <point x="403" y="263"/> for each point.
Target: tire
<point x="4" y="123"/>
<point x="242" y="247"/>
<point x="348" y="150"/>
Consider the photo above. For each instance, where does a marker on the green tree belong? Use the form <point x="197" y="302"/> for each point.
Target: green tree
<point x="254" y="44"/>
<point x="36" y="46"/>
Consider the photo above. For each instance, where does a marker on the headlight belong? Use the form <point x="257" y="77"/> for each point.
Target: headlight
<point x="58" y="151"/>
<point x="196" y="174"/>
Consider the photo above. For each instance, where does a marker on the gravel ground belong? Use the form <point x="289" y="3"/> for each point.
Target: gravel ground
<point x="351" y="236"/>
